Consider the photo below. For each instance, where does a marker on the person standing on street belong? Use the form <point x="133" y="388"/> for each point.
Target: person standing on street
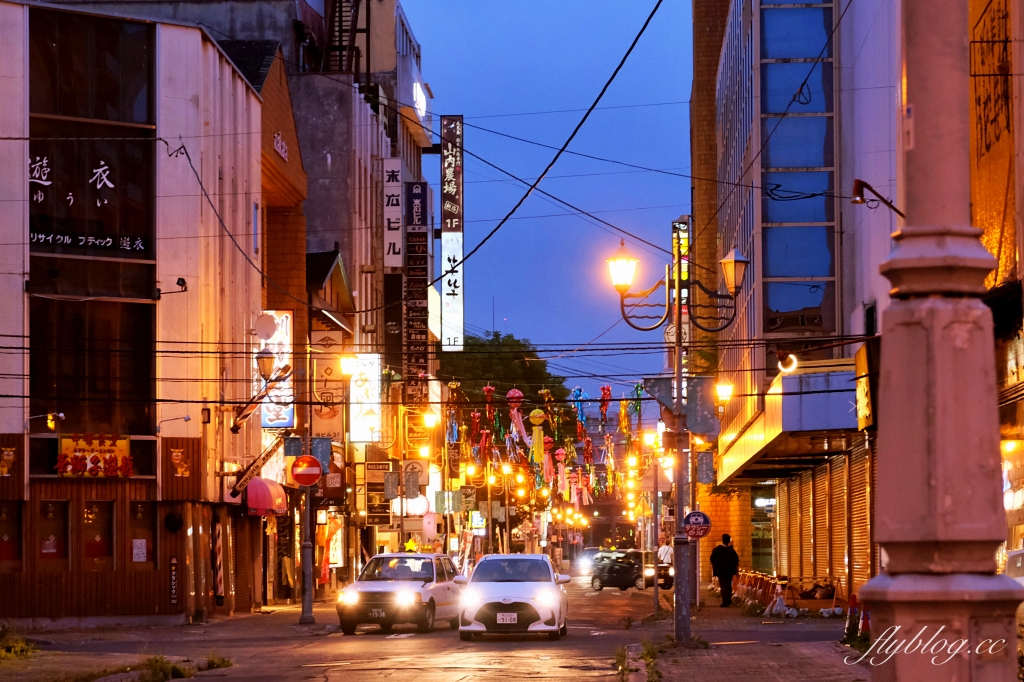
<point x="665" y="552"/>
<point x="725" y="563"/>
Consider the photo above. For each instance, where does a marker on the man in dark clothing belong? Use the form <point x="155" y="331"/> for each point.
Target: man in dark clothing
<point x="725" y="563"/>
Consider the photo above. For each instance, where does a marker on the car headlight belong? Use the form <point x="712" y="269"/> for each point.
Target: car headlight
<point x="586" y="563"/>
<point x="649" y="572"/>
<point x="348" y="597"/>
<point x="469" y="599"/>
<point x="547" y="598"/>
<point x="671" y="571"/>
<point x="407" y="598"/>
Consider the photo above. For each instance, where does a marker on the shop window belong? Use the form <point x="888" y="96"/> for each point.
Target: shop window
<point x="52" y="536"/>
<point x="89" y="67"/>
<point x="797" y="197"/>
<point x="10" y="536"/>
<point x="798" y="251"/>
<point x="98" y="535"/>
<point x="796" y="33"/>
<point x="142" y="534"/>
<point x="93" y="361"/>
<point x="800" y="306"/>
<point x="797" y="142"/>
<point x="780" y="81"/>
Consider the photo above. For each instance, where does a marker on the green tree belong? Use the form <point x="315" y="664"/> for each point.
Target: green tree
<point x="505" y="362"/>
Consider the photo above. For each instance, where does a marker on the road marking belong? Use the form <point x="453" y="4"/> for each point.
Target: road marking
<point x="545" y="658"/>
<point x="597" y="632"/>
<point x="325" y="665"/>
<point x="750" y="641"/>
<point x="402" y="635"/>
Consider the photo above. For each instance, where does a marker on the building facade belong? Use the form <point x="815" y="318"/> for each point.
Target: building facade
<point x="128" y="281"/>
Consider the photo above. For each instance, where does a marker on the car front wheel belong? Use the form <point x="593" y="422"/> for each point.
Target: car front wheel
<point x="426" y="623"/>
<point x="348" y="628"/>
<point x="596" y="584"/>
<point x="640" y="583"/>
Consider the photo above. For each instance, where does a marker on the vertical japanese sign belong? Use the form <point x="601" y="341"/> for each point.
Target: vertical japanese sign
<point x="417" y="278"/>
<point x="452" y="305"/>
<point x="365" y="401"/>
<point x="278" y="410"/>
<point x="392" y="213"/>
<point x="328" y="386"/>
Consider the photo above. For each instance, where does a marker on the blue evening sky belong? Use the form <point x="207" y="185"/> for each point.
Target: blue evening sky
<point x="498" y="62"/>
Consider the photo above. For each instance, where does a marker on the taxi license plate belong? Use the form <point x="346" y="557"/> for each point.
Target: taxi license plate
<point x="376" y="613"/>
<point x="508" y="618"/>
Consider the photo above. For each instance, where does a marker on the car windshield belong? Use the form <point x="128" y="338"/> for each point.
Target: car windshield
<point x="398" y="568"/>
<point x="512" y="571"/>
<point x="590" y="553"/>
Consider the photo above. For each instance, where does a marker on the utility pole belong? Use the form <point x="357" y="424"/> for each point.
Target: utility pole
<point x="306" y="616"/>
<point x="490" y="509"/>
<point x="656" y="534"/>
<point x="938" y="505"/>
<point x="680" y="543"/>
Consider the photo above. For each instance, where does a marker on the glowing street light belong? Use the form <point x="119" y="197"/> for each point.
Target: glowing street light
<point x="622" y="268"/>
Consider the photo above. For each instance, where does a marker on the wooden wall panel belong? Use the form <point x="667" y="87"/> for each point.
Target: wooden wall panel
<point x="183" y="480"/>
<point x="125" y="590"/>
<point x="12" y="480"/>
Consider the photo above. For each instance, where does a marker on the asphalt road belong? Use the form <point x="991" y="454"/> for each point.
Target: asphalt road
<point x="272" y="647"/>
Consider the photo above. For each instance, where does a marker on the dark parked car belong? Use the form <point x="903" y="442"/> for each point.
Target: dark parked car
<point x="625" y="569"/>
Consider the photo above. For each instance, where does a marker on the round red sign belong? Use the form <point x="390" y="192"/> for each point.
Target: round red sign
<point x="306" y="470"/>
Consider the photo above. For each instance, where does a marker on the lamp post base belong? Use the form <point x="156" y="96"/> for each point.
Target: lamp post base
<point x="959" y="626"/>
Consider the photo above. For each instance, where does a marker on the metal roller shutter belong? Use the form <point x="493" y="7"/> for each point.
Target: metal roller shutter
<point x="820" y="521"/>
<point x="860" y="521"/>
<point x="837" y="519"/>
<point x="794" y="527"/>
<point x="806" y="531"/>
<point x="782" y="524"/>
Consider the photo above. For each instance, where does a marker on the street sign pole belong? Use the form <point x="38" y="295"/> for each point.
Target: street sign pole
<point x="306" y="470"/>
<point x="680" y="543"/>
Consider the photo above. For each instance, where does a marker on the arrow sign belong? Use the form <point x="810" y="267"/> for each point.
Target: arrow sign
<point x="306" y="470"/>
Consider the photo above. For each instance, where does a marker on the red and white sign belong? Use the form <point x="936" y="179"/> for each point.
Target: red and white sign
<point x="306" y="470"/>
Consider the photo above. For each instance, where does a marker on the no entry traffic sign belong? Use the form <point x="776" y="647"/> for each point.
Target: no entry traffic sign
<point x="306" y="470"/>
<point x="696" y="524"/>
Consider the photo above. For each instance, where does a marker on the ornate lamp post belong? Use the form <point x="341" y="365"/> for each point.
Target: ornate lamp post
<point x="714" y="316"/>
<point x="938" y="511"/>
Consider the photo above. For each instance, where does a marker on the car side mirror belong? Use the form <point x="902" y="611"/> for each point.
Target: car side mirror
<point x="460" y="580"/>
<point x="563" y="579"/>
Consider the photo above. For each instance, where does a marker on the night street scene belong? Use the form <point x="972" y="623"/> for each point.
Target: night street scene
<point x="458" y="340"/>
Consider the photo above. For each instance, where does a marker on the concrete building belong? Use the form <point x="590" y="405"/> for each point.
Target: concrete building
<point x="808" y="104"/>
<point x="127" y="279"/>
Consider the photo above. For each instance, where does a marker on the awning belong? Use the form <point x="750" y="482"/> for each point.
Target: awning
<point x="266" y="498"/>
<point x="806" y="416"/>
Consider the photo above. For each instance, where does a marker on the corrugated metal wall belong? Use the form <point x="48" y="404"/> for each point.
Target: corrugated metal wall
<point x="838" y="516"/>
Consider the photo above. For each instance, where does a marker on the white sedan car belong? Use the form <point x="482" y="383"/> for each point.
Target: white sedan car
<point x="401" y="588"/>
<point x="516" y="593"/>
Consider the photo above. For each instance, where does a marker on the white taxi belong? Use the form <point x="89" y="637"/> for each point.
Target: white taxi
<point x="514" y="593"/>
<point x="401" y="588"/>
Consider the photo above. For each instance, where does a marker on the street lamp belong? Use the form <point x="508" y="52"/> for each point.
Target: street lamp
<point x="713" y="314"/>
<point x="265" y="363"/>
<point x="723" y="394"/>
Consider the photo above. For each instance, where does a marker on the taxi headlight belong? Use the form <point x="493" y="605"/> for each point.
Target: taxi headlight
<point x="406" y="598"/>
<point x="547" y="598"/>
<point x="671" y="571"/>
<point x="469" y="599"/>
<point x="349" y="597"/>
<point x="649" y="572"/>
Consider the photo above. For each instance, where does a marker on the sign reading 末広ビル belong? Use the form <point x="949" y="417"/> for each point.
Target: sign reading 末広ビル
<point x="94" y="456"/>
<point x="393" y="237"/>
<point x="452" y="222"/>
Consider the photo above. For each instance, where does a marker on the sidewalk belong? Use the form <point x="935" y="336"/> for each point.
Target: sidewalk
<point x="754" y="648"/>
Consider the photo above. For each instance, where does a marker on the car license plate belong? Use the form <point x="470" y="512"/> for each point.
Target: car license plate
<point x="508" y="618"/>
<point x="376" y="613"/>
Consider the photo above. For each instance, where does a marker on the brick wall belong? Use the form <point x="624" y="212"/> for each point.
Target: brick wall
<point x="708" y="31"/>
<point x="285" y="246"/>
<point x="729" y="514"/>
